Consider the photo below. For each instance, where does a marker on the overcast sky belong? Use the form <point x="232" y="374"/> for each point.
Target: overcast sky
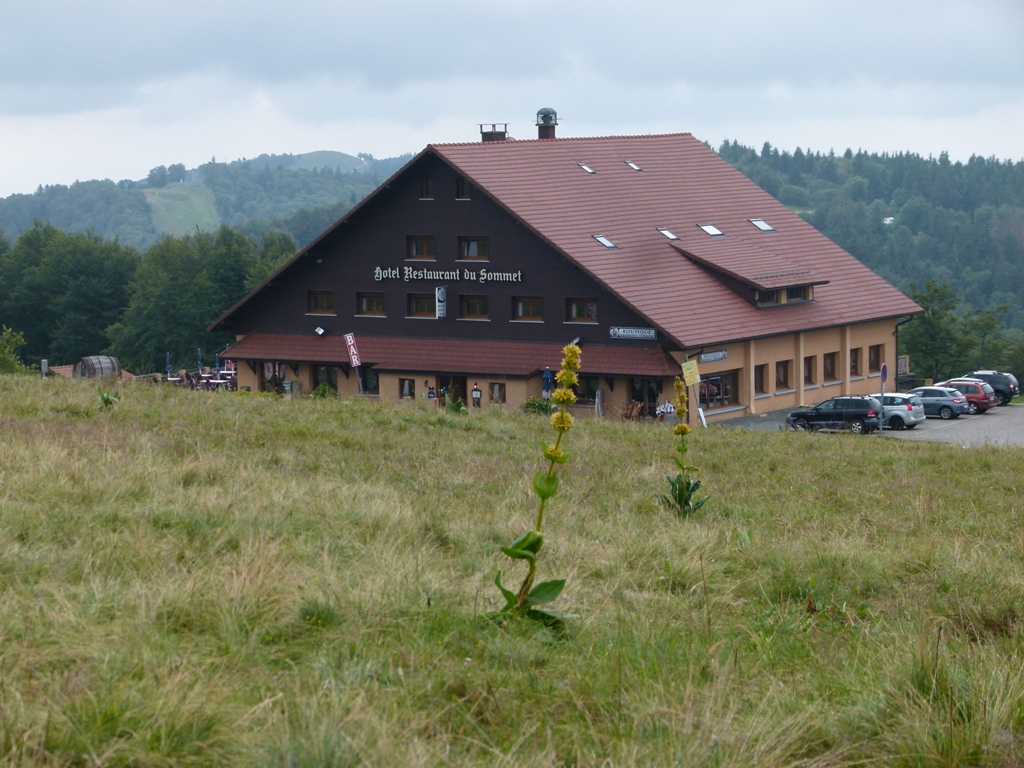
<point x="113" y="88"/>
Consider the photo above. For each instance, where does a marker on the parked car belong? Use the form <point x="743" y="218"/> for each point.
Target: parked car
<point x="980" y="395"/>
<point x="1005" y="384"/>
<point x="901" y="410"/>
<point x="944" y="402"/>
<point x="860" y="415"/>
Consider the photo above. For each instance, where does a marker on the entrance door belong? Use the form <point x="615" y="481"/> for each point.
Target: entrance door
<point x="646" y="392"/>
<point x="452" y="387"/>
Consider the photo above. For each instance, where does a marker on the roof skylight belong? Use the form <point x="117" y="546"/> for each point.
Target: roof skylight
<point x="605" y="241"/>
<point x="586" y="167"/>
<point x="633" y="165"/>
<point x="711" y="229"/>
<point x="667" y="234"/>
<point x="763" y="225"/>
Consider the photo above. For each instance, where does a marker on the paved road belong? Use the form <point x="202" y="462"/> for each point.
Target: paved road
<point x="999" y="426"/>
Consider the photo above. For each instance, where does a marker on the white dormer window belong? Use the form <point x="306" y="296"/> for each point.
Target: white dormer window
<point x="711" y="229"/>
<point x="763" y="225"/>
<point x="604" y="241"/>
<point x="586" y="168"/>
<point x="667" y="234"/>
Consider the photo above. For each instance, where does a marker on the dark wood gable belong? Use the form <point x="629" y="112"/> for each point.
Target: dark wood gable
<point x="430" y="227"/>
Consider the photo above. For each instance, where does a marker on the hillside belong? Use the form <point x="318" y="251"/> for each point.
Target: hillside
<point x="240" y="580"/>
<point x="179" y="209"/>
<point x="268" y="191"/>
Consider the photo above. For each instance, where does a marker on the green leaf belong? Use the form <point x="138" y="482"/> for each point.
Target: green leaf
<point x="545" y="592"/>
<point x="531" y="541"/>
<point x="545" y="486"/>
<point x="510" y="597"/>
<point x="519" y="554"/>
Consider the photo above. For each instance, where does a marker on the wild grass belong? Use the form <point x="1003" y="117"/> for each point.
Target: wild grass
<point x="228" y="579"/>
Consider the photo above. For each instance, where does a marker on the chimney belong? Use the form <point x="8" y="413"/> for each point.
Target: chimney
<point x="493" y="132"/>
<point x="547" y="119"/>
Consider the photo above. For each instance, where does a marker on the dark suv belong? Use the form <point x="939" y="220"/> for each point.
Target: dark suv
<point x="860" y="415"/>
<point x="1004" y="384"/>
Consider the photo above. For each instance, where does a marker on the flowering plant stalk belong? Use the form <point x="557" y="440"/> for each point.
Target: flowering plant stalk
<point x="525" y="601"/>
<point x="682" y="495"/>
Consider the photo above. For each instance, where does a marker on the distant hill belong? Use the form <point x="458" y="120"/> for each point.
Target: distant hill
<point x="256" y="194"/>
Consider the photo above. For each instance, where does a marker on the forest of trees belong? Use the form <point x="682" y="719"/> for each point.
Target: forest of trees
<point x="74" y="283"/>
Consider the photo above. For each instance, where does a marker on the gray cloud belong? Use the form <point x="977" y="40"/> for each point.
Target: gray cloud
<point x="398" y="72"/>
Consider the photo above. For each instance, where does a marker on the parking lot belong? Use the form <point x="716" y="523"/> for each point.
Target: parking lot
<point x="999" y="426"/>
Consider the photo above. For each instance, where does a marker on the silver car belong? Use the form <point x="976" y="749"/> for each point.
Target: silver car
<point x="902" y="410"/>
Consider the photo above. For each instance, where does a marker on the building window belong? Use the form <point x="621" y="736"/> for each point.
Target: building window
<point x="473" y="248"/>
<point x="719" y="389"/>
<point x="421" y="305"/>
<point x="796" y="295"/>
<point x="474" y="308"/>
<point x="320" y="302"/>
<point x="761" y="224"/>
<point x="528" y="308"/>
<point x="369" y="382"/>
<point x="855" y="362"/>
<point x="426" y="189"/>
<point x="586" y="390"/>
<point x="496" y="392"/>
<point x="325" y="375"/>
<point x="463" y="188"/>
<point x="782" y="380"/>
<point x="767" y="298"/>
<point x="581" y="310"/>
<point x="370" y="304"/>
<point x="810" y="364"/>
<point x="420" y="247"/>
<point x="407" y="389"/>
<point x="760" y="377"/>
<point x="876" y="354"/>
<point x="829" y="366"/>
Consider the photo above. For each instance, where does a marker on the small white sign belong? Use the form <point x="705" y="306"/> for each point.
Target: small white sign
<point x="440" y="301"/>
<point x="644" y="334"/>
<point x="713" y="357"/>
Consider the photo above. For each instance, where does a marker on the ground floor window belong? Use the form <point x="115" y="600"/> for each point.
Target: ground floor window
<point x="496" y="392"/>
<point x="760" y="379"/>
<point x="855" y="362"/>
<point x="782" y="376"/>
<point x="719" y="389"/>
<point x="326" y="375"/>
<point x="875" y="355"/>
<point x="829" y="365"/>
<point x="406" y="388"/>
<point x="368" y="381"/>
<point x="810" y="364"/>
<point x="586" y="390"/>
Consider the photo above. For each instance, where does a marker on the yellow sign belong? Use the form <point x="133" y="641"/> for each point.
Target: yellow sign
<point x="690" y="373"/>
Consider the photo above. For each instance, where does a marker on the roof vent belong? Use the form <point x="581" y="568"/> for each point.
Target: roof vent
<point x="547" y="119"/>
<point x="493" y="131"/>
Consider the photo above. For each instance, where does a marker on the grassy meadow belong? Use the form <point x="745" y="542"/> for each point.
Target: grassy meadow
<point x="230" y="579"/>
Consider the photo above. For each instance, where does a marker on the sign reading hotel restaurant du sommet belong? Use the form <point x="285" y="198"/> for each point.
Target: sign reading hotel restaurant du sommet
<point x="454" y="275"/>
<point x="644" y="334"/>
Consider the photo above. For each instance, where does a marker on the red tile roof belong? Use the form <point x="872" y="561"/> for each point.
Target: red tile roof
<point x="682" y="185"/>
<point x="447" y="356"/>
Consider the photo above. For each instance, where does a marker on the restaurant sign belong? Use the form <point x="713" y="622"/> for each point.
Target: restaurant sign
<point x="643" y="334"/>
<point x="454" y="275"/>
